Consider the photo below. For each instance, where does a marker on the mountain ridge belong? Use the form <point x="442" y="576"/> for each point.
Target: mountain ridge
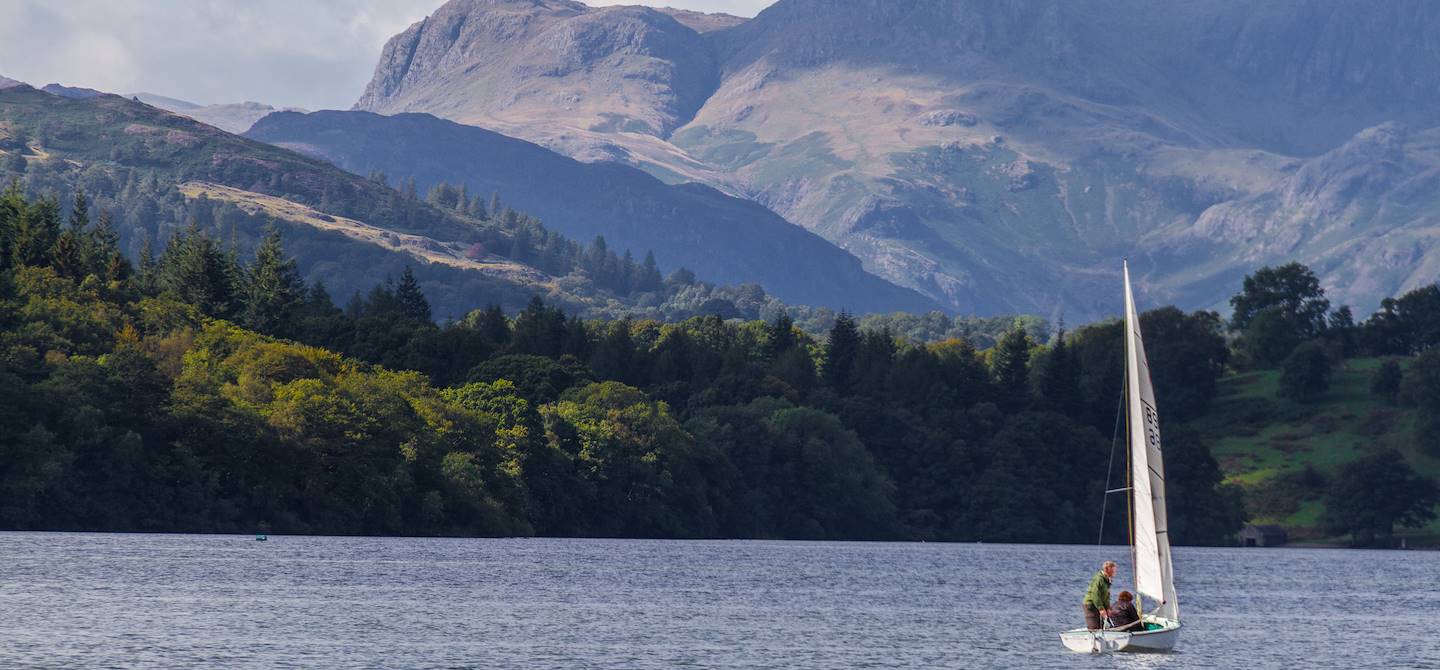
<point x="996" y="156"/>
<point x="725" y="239"/>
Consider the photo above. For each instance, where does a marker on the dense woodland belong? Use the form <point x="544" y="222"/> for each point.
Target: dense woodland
<point x="195" y="390"/>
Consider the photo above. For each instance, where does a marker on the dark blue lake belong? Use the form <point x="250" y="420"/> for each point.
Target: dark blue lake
<point x="187" y="601"/>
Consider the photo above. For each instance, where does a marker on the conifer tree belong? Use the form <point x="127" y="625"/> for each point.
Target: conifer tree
<point x="67" y="257"/>
<point x="79" y="214"/>
<point x="410" y="299"/>
<point x="873" y="359"/>
<point x="147" y="277"/>
<point x="12" y="209"/>
<point x="493" y="325"/>
<point x="780" y="335"/>
<point x="625" y="279"/>
<point x="1058" y="379"/>
<point x="38" y="229"/>
<point x="1010" y="368"/>
<point x="195" y="270"/>
<point x="650" y="279"/>
<point x="840" y="352"/>
<point x="273" y="289"/>
<point x="104" y="248"/>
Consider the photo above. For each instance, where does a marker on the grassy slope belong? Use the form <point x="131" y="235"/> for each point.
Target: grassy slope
<point x="1261" y="441"/>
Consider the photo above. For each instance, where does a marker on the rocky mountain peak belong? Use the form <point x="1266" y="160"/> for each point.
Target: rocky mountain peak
<point x="630" y="69"/>
<point x="997" y="155"/>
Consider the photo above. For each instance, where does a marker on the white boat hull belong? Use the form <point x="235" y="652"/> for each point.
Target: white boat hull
<point x="1103" y="641"/>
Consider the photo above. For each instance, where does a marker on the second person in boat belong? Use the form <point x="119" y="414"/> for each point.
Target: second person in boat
<point x="1123" y="615"/>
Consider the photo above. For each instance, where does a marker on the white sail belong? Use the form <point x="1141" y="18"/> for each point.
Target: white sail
<point x="1154" y="576"/>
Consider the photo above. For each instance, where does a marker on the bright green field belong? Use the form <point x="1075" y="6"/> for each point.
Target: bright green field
<point x="1264" y="443"/>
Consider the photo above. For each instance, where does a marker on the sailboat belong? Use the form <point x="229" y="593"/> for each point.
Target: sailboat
<point x="1150" y="539"/>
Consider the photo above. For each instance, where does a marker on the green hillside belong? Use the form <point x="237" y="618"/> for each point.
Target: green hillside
<point x="1282" y="452"/>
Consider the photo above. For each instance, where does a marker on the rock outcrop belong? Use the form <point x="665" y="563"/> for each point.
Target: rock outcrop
<point x="996" y="155"/>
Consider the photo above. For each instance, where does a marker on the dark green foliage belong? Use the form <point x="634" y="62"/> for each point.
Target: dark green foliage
<point x="1202" y="509"/>
<point x="1292" y="290"/>
<point x="1305" y="374"/>
<point x="196" y="271"/>
<point x="1010" y="367"/>
<point x="1057" y="383"/>
<point x="1406" y="325"/>
<point x="410" y="302"/>
<point x="810" y="477"/>
<point x="1375" y="494"/>
<point x="841" y="349"/>
<point x="273" y="290"/>
<point x="1277" y="309"/>
<point x="131" y="407"/>
<point x="1344" y="332"/>
<point x="1187" y="355"/>
<point x="1268" y="339"/>
<point x="1422" y="386"/>
<point x="1385" y="383"/>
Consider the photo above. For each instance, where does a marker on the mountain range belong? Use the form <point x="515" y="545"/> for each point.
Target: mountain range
<point x="234" y="117"/>
<point x="722" y="238"/>
<point x="995" y="155"/>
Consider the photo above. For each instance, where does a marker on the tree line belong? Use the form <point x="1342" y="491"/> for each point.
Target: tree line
<point x="200" y="391"/>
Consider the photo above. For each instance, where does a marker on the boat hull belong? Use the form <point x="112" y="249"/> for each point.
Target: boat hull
<point x="1102" y="641"/>
<point x="1094" y="641"/>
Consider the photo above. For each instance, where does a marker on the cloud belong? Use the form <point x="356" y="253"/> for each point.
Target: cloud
<point x="310" y="53"/>
<point x="316" y="54"/>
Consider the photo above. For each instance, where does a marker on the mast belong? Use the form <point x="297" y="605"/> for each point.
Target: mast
<point x="1154" y="574"/>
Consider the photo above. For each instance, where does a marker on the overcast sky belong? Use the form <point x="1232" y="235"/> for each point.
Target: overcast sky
<point x="316" y="54"/>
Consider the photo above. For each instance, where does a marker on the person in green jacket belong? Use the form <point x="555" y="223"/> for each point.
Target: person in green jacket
<point x="1097" y="597"/>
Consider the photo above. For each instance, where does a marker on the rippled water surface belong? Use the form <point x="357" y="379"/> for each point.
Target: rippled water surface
<point x="178" y="601"/>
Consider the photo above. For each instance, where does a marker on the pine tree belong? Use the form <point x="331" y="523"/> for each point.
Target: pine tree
<point x="411" y="300"/>
<point x="195" y="270"/>
<point x="79" y="214"/>
<point x="274" y="291"/>
<point x="840" y="352"/>
<point x="67" y="256"/>
<point x="74" y="255"/>
<point x="626" y="274"/>
<point x="780" y="335"/>
<point x="147" y="277"/>
<point x="493" y="325"/>
<point x="104" y="247"/>
<point x="873" y="359"/>
<point x="1058" y="379"/>
<point x="13" y="209"/>
<point x="495" y="204"/>
<point x="1010" y="368"/>
<point x="39" y="228"/>
<point x="650" y="279"/>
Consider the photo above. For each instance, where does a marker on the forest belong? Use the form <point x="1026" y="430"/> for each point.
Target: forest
<point x="197" y="390"/>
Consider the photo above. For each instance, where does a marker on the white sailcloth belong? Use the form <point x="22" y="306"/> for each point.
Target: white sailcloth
<point x="1154" y="575"/>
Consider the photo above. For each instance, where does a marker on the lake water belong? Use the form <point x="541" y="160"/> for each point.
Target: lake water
<point x="186" y="601"/>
